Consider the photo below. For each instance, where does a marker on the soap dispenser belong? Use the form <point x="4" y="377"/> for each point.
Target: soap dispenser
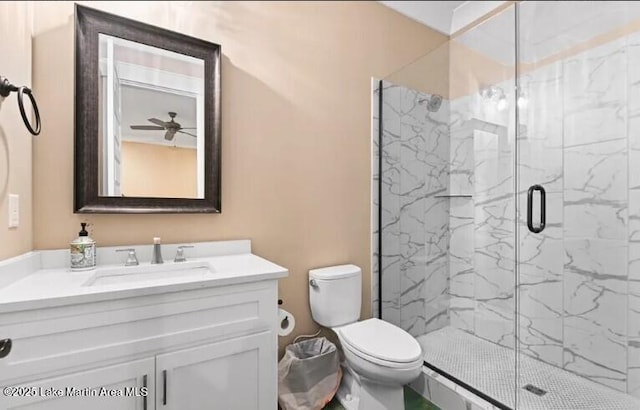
<point x="83" y="251"/>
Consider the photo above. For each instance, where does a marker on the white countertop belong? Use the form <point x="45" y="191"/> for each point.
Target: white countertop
<point x="50" y="285"/>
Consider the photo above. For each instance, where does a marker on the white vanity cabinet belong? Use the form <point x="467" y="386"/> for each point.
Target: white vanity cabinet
<point x="224" y="375"/>
<point x="200" y="348"/>
<point x="54" y="394"/>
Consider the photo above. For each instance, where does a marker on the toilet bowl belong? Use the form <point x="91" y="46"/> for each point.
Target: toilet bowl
<point x="379" y="358"/>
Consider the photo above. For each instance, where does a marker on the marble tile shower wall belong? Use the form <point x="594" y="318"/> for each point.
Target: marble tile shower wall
<point x="577" y="287"/>
<point x="450" y="260"/>
<point x="481" y="225"/>
<point x="415" y="221"/>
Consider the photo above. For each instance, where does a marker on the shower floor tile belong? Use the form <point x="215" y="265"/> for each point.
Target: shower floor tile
<point x="490" y="368"/>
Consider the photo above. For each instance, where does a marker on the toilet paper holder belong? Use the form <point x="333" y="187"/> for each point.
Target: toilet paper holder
<point x="280" y="302"/>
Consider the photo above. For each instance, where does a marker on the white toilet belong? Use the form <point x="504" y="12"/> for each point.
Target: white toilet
<point x="379" y="357"/>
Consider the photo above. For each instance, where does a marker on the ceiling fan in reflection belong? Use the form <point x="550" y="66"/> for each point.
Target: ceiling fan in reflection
<point x="171" y="127"/>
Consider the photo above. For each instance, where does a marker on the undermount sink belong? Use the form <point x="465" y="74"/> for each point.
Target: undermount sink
<point x="144" y="273"/>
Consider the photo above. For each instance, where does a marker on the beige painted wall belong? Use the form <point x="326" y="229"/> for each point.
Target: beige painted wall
<point x="15" y="140"/>
<point x="295" y="130"/>
<point x="158" y="171"/>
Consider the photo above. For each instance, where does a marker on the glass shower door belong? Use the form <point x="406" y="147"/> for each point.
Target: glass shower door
<point x="578" y="141"/>
<point x="448" y="207"/>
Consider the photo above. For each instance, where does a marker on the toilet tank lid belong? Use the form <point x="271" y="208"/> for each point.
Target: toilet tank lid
<point x="335" y="272"/>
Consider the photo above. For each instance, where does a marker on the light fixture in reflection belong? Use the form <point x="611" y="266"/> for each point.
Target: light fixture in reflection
<point x="495" y="97"/>
<point x="523" y="98"/>
<point x="502" y="103"/>
<point x="523" y="102"/>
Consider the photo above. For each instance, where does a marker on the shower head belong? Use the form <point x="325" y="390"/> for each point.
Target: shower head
<point x="433" y="103"/>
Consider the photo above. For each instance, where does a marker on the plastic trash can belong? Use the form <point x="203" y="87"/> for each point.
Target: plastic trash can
<point x="308" y="375"/>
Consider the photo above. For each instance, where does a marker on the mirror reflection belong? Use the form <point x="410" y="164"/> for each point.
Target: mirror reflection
<point x="151" y="112"/>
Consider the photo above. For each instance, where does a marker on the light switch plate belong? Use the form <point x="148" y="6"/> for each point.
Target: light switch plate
<point x="14" y="211"/>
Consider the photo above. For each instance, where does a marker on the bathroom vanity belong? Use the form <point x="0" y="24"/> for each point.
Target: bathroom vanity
<point x="193" y="335"/>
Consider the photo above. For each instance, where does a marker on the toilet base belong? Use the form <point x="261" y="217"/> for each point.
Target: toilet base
<point x="358" y="393"/>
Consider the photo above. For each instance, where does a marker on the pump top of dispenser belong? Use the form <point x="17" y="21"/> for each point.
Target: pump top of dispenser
<point x="83" y="232"/>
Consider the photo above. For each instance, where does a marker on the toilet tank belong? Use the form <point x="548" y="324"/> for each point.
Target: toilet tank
<point x="335" y="295"/>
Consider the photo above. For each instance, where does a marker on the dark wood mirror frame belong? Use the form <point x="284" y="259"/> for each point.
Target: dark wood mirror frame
<point x="88" y="24"/>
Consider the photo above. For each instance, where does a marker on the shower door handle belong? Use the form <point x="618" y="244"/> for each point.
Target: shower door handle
<point x="543" y="208"/>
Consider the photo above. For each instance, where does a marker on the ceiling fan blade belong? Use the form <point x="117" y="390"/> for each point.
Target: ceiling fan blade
<point x="146" y="127"/>
<point x="158" y="122"/>
<point x="188" y="133"/>
<point x="169" y="135"/>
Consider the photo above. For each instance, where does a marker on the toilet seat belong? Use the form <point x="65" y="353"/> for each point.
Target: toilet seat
<point x="381" y="343"/>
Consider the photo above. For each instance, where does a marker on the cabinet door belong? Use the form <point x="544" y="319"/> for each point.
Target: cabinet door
<point x="112" y="387"/>
<point x="236" y="374"/>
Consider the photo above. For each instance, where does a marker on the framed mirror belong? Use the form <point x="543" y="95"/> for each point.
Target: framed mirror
<point x="147" y="118"/>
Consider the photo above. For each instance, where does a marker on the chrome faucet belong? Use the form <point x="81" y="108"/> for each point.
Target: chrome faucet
<point x="132" y="258"/>
<point x="156" y="257"/>
<point x="180" y="253"/>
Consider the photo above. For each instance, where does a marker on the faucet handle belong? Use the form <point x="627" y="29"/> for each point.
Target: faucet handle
<point x="132" y="258"/>
<point x="180" y="253"/>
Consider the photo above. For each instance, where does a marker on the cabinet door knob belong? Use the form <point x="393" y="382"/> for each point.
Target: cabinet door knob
<point x="5" y="347"/>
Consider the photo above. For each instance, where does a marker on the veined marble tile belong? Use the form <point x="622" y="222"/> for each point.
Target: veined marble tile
<point x="541" y="262"/>
<point x="633" y="340"/>
<point x="461" y="233"/>
<point x="461" y="110"/>
<point x="543" y="115"/>
<point x="461" y="166"/>
<point x="413" y="306"/>
<point x="413" y="105"/>
<point x="633" y="59"/>
<point x="390" y="203"/>
<point x="540" y="164"/>
<point x="461" y="267"/>
<point x="495" y="230"/>
<point x="541" y="339"/>
<point x="436" y="294"/>
<point x="633" y="99"/>
<point x="462" y="313"/>
<point x="633" y="375"/>
<point x="594" y="93"/>
<point x="493" y="173"/>
<point x="633" y="326"/>
<point x="595" y="305"/>
<point x="494" y="321"/>
<point x="594" y="354"/>
<point x="595" y="259"/>
<point x="494" y="244"/>
<point x="541" y="294"/>
<point x="634" y="153"/>
<point x="634" y="215"/>
<point x="540" y="288"/>
<point x="414" y="224"/>
<point x="595" y="182"/>
<point x="390" y="282"/>
<point x="436" y="226"/>
<point x="634" y="260"/>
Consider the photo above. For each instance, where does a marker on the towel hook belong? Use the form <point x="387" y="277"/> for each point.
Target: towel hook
<point x="7" y="88"/>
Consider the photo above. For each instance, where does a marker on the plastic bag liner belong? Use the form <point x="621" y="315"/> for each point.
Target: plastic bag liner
<point x="308" y="375"/>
